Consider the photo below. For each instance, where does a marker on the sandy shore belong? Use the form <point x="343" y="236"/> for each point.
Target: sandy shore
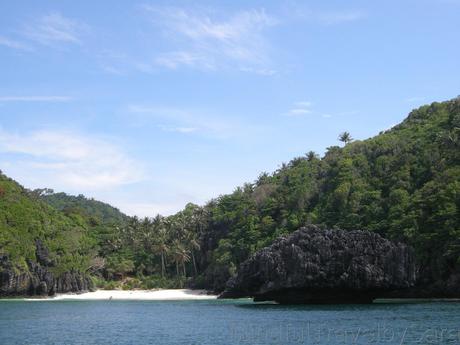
<point x="147" y="295"/>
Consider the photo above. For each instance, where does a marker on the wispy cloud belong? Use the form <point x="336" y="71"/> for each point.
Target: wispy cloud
<point x="69" y="161"/>
<point x="299" y="108"/>
<point x="178" y="129"/>
<point x="14" y="44"/>
<point x="177" y="59"/>
<point x="35" y="99"/>
<point x="301" y="11"/>
<point x="55" y="28"/>
<point x="186" y="121"/>
<point x="302" y="108"/>
<point x="146" y="209"/>
<point x="210" y="43"/>
<point x="261" y="71"/>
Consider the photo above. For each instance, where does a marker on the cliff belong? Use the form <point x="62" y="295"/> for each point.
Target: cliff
<point x="39" y="279"/>
<point x="42" y="250"/>
<point x="325" y="266"/>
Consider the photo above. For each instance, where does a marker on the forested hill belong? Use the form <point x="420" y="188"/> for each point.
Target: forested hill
<point x="24" y="220"/>
<point x="46" y="249"/>
<point x="100" y="211"/>
<point x="403" y="184"/>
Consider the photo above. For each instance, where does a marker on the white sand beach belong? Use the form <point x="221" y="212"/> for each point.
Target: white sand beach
<point x="147" y="295"/>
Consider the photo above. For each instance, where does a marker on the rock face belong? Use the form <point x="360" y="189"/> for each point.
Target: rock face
<point x="325" y="266"/>
<point x="39" y="280"/>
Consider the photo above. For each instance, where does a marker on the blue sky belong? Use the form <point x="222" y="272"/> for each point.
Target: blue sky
<point x="150" y="105"/>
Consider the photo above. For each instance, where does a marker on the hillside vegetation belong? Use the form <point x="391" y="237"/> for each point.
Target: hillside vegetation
<point x="99" y="211"/>
<point x="403" y="184"/>
<point x="24" y="219"/>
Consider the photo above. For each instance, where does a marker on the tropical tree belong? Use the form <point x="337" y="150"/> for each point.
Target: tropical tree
<point x="162" y="247"/>
<point x="345" y="137"/>
<point x="193" y="245"/>
<point x="311" y="155"/>
<point x="180" y="256"/>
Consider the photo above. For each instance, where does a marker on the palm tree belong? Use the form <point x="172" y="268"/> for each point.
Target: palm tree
<point x="161" y="241"/>
<point x="180" y="257"/>
<point x="163" y="249"/>
<point x="345" y="137"/>
<point x="130" y="232"/>
<point x="193" y="244"/>
<point x="311" y="155"/>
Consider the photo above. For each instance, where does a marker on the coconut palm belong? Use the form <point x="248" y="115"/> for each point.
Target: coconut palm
<point x="311" y="155"/>
<point x="193" y="244"/>
<point x="345" y="137"/>
<point x="161" y="241"/>
<point x="180" y="256"/>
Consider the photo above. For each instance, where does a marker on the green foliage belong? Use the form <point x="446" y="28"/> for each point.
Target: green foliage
<point x="23" y="220"/>
<point x="95" y="211"/>
<point x="403" y="183"/>
<point x="159" y="250"/>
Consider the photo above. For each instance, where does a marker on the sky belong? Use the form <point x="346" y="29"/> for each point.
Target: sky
<point x="151" y="105"/>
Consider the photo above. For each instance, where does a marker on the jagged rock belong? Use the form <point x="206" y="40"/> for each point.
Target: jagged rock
<point x="38" y="280"/>
<point x="42" y="254"/>
<point x="324" y="266"/>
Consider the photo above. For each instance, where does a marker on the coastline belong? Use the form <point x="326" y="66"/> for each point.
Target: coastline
<point x="134" y="295"/>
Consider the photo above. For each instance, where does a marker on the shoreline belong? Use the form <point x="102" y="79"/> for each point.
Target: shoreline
<point x="134" y="295"/>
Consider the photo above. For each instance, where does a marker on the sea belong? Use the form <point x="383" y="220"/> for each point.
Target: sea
<point x="216" y="322"/>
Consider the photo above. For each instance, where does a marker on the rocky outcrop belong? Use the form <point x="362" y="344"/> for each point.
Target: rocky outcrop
<point x="325" y="266"/>
<point x="38" y="280"/>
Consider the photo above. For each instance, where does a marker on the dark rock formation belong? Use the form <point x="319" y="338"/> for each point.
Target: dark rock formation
<point x="324" y="266"/>
<point x="39" y="280"/>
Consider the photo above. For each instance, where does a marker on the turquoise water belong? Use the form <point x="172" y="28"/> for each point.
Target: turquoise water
<point x="224" y="322"/>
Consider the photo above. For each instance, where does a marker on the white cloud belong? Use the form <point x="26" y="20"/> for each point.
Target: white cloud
<point x="187" y="121"/>
<point x="55" y="28"/>
<point x="10" y="43"/>
<point x="146" y="209"/>
<point x="178" y="129"/>
<point x="299" y="111"/>
<point x="261" y="71"/>
<point x="174" y="60"/>
<point x="305" y="104"/>
<point x="300" y="108"/>
<point x="35" y="98"/>
<point x="68" y="161"/>
<point x="304" y="12"/>
<point x="210" y="43"/>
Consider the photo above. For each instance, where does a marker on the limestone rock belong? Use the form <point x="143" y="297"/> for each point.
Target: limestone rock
<point x="39" y="280"/>
<point x="313" y="265"/>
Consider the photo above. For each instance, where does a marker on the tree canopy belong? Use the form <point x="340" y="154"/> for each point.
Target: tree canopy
<point x="403" y="184"/>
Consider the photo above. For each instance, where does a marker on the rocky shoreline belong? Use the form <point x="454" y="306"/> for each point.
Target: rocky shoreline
<point x="39" y="280"/>
<point x="313" y="265"/>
